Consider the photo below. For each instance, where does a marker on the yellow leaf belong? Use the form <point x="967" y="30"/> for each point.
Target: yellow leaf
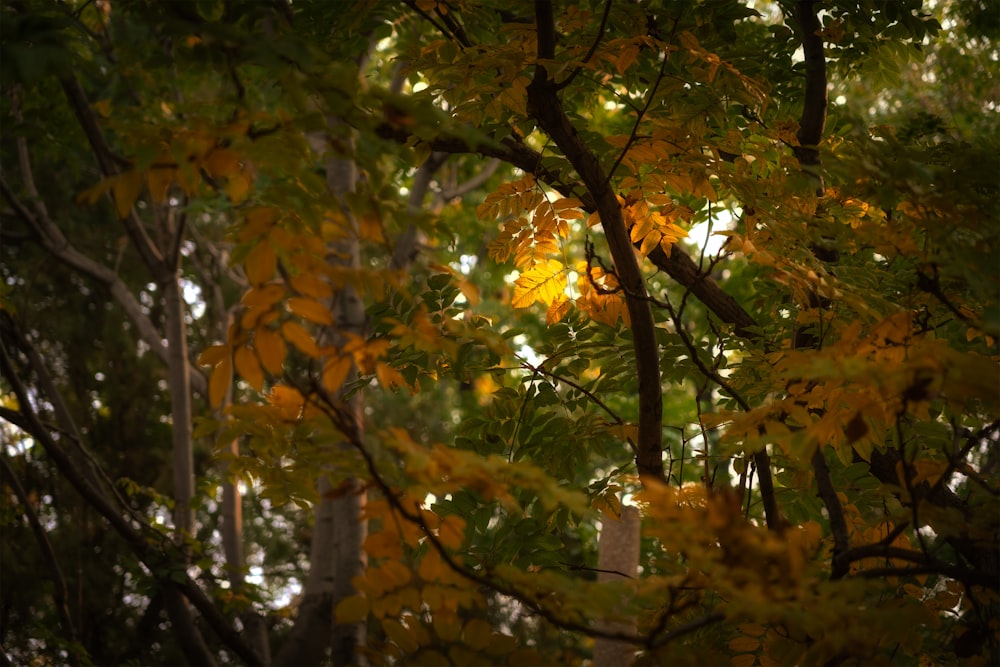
<point x="744" y="644"/>
<point x="210" y="356"/>
<point x="126" y="189"/>
<point x="743" y="660"/>
<point x="335" y="372"/>
<point x="352" y="609"/>
<point x="263" y="296"/>
<point x="311" y="310"/>
<point x="238" y="188"/>
<point x="388" y="377"/>
<point x="261" y="263"/>
<point x="476" y="634"/>
<point x="543" y="282"/>
<point x="258" y="221"/>
<point x="649" y="242"/>
<point x="271" y="349"/>
<point x="158" y="181"/>
<point x="311" y="285"/>
<point x="557" y="310"/>
<point x="219" y="383"/>
<point x="248" y="367"/>
<point x="297" y="335"/>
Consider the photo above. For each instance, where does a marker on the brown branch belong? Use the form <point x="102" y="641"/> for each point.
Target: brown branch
<point x="677" y="264"/>
<point x="150" y="254"/>
<point x="593" y="47"/>
<point x="545" y="107"/>
<point x="813" y="117"/>
<point x="344" y="420"/>
<point x="838" y="525"/>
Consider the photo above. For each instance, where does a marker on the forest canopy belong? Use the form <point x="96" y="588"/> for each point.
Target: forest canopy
<point x="460" y="332"/>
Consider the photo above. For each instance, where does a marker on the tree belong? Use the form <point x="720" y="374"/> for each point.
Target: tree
<point x="429" y="272"/>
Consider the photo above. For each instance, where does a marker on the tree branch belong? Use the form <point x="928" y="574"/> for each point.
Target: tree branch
<point x="53" y="240"/>
<point x="838" y="525"/>
<point x="813" y="117"/>
<point x="545" y="107"/>
<point x="59" y="592"/>
<point x="163" y="561"/>
<point x="150" y="254"/>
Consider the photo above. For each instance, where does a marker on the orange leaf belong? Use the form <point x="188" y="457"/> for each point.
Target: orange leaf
<point x="310" y="285"/>
<point x="261" y="263"/>
<point x="263" y="296"/>
<point x="297" y="335"/>
<point x="219" y="383"/>
<point x="223" y="162"/>
<point x="237" y="188"/>
<point x="310" y="309"/>
<point x="271" y="348"/>
<point x="744" y="644"/>
<point x="248" y="367"/>
<point x="288" y="400"/>
<point x="476" y="634"/>
<point x="388" y="377"/>
<point x="335" y="372"/>
<point x="212" y="355"/>
<point x="557" y="310"/>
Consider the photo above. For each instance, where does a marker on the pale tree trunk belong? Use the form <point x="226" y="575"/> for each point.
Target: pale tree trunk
<point x="617" y="558"/>
<point x="179" y="381"/>
<point x="336" y="554"/>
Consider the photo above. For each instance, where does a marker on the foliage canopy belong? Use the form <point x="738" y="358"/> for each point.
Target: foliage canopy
<point x="495" y="274"/>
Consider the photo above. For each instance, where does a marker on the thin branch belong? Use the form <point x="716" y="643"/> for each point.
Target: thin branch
<point x="589" y="394"/>
<point x="544" y="105"/>
<point x="162" y="560"/>
<point x="346" y="423"/>
<point x="760" y="457"/>
<point x="593" y="48"/>
<point x="634" y="135"/>
<point x="59" y="591"/>
<point x="55" y="242"/>
<point x="150" y="254"/>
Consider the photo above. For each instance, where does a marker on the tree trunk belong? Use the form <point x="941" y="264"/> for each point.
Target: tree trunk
<point x="617" y="558"/>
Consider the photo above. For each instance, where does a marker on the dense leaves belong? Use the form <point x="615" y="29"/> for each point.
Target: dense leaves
<point x="490" y="274"/>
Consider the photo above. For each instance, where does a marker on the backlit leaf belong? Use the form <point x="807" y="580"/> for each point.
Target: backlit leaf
<point x="544" y="282"/>
<point x="557" y="310"/>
